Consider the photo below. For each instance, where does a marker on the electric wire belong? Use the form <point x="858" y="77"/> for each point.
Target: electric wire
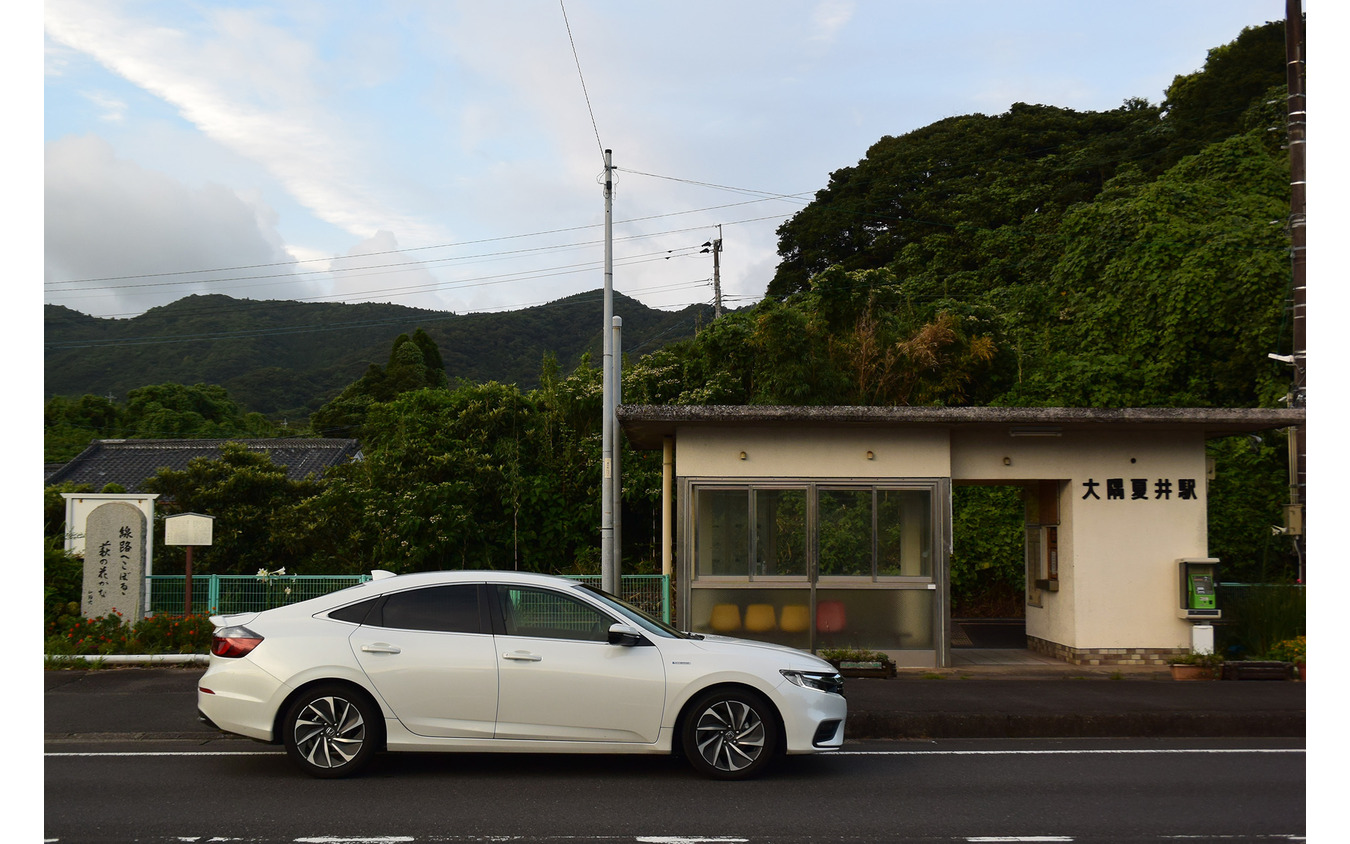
<point x="582" y="77"/>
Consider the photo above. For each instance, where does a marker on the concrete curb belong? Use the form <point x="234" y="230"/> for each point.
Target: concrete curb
<point x="125" y="659"/>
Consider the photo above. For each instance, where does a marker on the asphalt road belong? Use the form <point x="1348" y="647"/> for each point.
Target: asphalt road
<point x="126" y="760"/>
<point x="1084" y="790"/>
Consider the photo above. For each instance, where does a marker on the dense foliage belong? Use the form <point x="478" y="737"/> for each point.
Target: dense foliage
<point x="287" y="359"/>
<point x="1041" y="257"/>
<point x="162" y="411"/>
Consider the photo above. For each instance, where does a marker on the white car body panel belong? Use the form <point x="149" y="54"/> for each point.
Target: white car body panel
<point x="585" y="691"/>
<point x="437" y="684"/>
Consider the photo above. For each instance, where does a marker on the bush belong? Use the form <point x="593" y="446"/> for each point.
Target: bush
<point x="63" y="578"/>
<point x="1291" y="650"/>
<point x="854" y="655"/>
<point x="71" y="635"/>
<point x="1212" y="660"/>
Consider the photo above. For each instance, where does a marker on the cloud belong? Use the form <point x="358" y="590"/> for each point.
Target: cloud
<point x="111" y="109"/>
<point x="269" y="106"/>
<point x="829" y="17"/>
<point x="375" y="270"/>
<point x="114" y="221"/>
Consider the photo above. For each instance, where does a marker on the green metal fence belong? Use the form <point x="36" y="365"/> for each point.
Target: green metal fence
<point x="648" y="592"/>
<point x="227" y="594"/>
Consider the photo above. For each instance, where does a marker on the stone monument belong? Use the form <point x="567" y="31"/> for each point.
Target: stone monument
<point x="114" y="561"/>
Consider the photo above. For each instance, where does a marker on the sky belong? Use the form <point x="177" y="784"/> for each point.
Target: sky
<point x="449" y="155"/>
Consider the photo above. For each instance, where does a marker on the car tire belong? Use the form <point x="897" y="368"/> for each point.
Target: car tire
<point x="331" y="730"/>
<point x="730" y="734"/>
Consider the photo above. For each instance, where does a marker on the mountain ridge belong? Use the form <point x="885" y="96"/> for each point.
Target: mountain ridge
<point x="286" y="358"/>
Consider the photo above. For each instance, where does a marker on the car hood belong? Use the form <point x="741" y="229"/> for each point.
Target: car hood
<point x="793" y="658"/>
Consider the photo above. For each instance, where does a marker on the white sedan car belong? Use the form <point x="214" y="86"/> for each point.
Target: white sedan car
<point x="501" y="661"/>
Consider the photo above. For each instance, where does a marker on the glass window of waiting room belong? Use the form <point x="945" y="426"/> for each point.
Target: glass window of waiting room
<point x="831" y="527"/>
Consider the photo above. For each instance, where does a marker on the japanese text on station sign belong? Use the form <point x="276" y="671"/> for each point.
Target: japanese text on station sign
<point x="1140" y="489"/>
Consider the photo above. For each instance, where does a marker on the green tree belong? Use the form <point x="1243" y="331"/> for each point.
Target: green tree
<point x="1208" y="105"/>
<point x="1246" y="499"/>
<point x="414" y="364"/>
<point x="254" y="504"/>
<point x="1174" y="291"/>
<point x="481" y="476"/>
<point x="987" y="568"/>
<point x="159" y="411"/>
<point x="957" y="177"/>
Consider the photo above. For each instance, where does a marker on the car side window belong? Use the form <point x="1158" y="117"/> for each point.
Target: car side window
<point x="355" y="613"/>
<point x="545" y="614"/>
<point x="445" y="609"/>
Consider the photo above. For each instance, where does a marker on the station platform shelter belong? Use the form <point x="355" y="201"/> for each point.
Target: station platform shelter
<point x="830" y="527"/>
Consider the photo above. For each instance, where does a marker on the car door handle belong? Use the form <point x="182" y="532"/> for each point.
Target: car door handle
<point x="380" y="648"/>
<point x="523" y="656"/>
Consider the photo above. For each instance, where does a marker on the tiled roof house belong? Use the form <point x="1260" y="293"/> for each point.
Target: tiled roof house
<point x="130" y="463"/>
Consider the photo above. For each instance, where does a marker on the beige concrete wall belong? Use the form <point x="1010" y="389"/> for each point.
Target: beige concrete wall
<point x="1118" y="574"/>
<point x="812" y="453"/>
<point x="1118" y="570"/>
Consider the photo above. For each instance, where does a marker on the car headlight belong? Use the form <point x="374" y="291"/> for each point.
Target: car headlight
<point x="825" y="681"/>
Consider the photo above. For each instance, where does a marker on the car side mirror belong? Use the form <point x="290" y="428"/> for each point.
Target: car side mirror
<point x="625" y="635"/>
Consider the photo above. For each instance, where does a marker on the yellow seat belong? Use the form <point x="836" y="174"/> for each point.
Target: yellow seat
<point x="759" y="618"/>
<point x="796" y="618"/>
<point x="726" y="618"/>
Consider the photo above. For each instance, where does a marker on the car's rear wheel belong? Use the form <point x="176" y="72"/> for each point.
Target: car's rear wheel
<point x="331" y="731"/>
<point x="730" y="734"/>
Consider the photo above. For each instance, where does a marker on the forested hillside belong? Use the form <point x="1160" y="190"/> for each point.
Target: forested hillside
<point x="1039" y="257"/>
<point x="286" y="359"/>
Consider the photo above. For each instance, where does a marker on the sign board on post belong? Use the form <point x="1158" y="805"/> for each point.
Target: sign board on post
<point x="188" y="529"/>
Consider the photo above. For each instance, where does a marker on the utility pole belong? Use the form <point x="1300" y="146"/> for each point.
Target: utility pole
<point x="616" y="399"/>
<point x="715" y="247"/>
<point x="609" y="565"/>
<point x="1298" y="123"/>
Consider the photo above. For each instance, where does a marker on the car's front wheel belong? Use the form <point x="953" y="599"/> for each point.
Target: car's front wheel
<point x="730" y="734"/>
<point x="331" y="731"/>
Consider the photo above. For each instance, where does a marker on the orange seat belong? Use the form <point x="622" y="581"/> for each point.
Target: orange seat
<point x="830" y="616"/>
<point x="726" y="618"/>
<point x="759" y="618"/>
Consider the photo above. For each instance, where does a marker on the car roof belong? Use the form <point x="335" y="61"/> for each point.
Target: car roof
<point x="463" y="576"/>
<point x="382" y="584"/>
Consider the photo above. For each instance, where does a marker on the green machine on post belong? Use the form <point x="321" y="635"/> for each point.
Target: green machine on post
<point x="1199" y="601"/>
<point x="1199" y="577"/>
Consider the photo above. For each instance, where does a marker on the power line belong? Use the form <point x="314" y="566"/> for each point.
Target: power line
<point x="427" y="262"/>
<point x="582" y="77"/>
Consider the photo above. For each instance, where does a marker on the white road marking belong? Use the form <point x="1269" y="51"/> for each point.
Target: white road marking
<point x="1080" y="752"/>
<point x="147" y="753"/>
<point x="1056" y="752"/>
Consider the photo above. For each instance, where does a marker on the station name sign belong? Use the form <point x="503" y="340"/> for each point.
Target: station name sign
<point x="1140" y="489"/>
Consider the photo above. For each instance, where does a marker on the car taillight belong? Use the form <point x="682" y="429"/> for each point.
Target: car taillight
<point x="234" y="642"/>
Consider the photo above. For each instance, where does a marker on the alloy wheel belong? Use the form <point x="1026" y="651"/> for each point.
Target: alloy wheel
<point x="329" y="732"/>
<point x="730" y="735"/>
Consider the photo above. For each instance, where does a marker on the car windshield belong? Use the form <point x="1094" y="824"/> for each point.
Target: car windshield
<point x="637" y="616"/>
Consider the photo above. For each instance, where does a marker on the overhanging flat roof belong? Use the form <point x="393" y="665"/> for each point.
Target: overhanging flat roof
<point x="647" y="425"/>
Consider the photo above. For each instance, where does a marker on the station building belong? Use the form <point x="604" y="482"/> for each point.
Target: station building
<point x="830" y="527"/>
